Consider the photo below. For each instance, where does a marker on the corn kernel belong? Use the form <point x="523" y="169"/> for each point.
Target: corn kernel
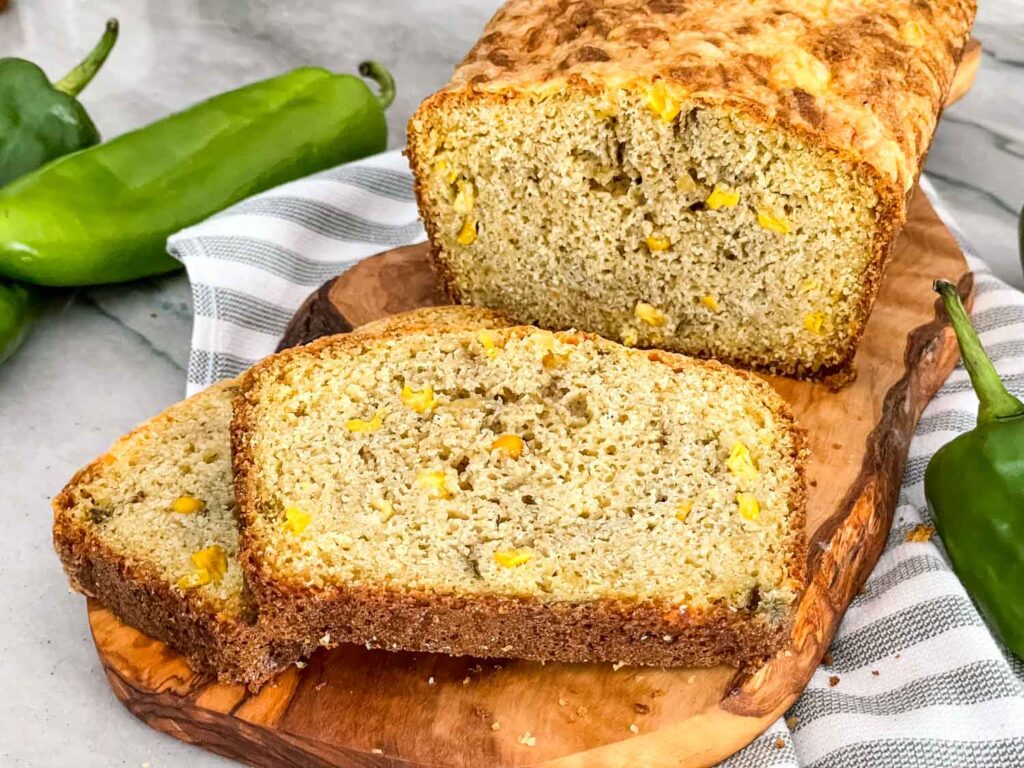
<point x="768" y="220"/>
<point x="683" y="509"/>
<point x="912" y="33"/>
<point x="740" y="463"/>
<point x="198" y="578"/>
<point x="662" y="103"/>
<point x="710" y="302"/>
<point x="187" y="505"/>
<point x="796" y="68"/>
<point x="434" y="483"/>
<point x="552" y="360"/>
<point x="814" y="321"/>
<point x="444" y="168"/>
<point x="295" y="520"/>
<point x="213" y="560"/>
<point x="686" y="184"/>
<point x="658" y="242"/>
<point x="511" y="558"/>
<point x="487" y="342"/>
<point x="385" y="507"/>
<point x="420" y="400"/>
<point x="363" y="425"/>
<point x="467" y="235"/>
<point x="722" y="197"/>
<point x="509" y="445"/>
<point x="608" y="108"/>
<point x="809" y="284"/>
<point x="749" y="508"/>
<point x="465" y="198"/>
<point x="649" y="314"/>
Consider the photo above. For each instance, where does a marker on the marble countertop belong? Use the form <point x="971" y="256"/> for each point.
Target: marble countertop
<point x="104" y="359"/>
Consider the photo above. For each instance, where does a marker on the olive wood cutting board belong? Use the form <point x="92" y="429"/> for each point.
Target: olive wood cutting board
<point x="355" y="707"/>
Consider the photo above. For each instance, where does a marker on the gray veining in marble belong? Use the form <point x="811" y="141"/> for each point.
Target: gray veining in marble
<point x="103" y="359"/>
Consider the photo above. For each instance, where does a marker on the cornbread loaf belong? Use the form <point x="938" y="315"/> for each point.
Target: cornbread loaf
<point x="722" y="179"/>
<point x="149" y="529"/>
<point x="513" y="492"/>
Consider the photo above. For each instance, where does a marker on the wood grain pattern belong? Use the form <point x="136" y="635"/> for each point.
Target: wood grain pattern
<point x="354" y="707"/>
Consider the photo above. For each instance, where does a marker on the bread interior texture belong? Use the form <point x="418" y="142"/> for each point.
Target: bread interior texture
<point x="656" y="223"/>
<point x="164" y="497"/>
<point x="519" y="462"/>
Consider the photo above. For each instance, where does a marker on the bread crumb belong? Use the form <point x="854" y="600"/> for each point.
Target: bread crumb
<point x="634" y="728"/>
<point x="495" y="726"/>
<point x="430" y="681"/>
<point x="875" y="672"/>
<point x="319" y="685"/>
<point x="562" y="702"/>
<point x="581" y="712"/>
<point x="920" y="533"/>
<point x="527" y="740"/>
<point x="691" y="679"/>
<point x="326" y="639"/>
<point x="465" y="681"/>
<point x="377" y="751"/>
<point x="641" y="709"/>
<point x="618" y="665"/>
<point x="780" y="743"/>
<point x="300" y="664"/>
<point x="791" y="721"/>
<point x="657" y="693"/>
<point x="833" y="681"/>
<point x="827" y="659"/>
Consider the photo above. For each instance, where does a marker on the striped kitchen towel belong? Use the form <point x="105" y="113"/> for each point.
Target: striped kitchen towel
<point x="915" y="679"/>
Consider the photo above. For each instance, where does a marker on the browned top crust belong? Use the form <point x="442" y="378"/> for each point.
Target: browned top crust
<point x="864" y="77"/>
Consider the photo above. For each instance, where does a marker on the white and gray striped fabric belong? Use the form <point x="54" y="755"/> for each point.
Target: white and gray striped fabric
<point x="921" y="681"/>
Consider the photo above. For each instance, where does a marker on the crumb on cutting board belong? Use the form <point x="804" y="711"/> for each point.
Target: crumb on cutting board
<point x="920" y="533"/>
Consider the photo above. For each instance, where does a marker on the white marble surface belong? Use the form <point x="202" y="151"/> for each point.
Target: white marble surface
<point x="104" y="359"/>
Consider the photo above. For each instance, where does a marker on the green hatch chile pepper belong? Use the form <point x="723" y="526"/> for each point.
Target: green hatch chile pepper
<point x="19" y="307"/>
<point x="975" y="489"/>
<point x="103" y="215"/>
<point x="39" y="121"/>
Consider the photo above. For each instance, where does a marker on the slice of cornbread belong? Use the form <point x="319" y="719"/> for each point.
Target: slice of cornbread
<point x="149" y="529"/>
<point x="513" y="492"/>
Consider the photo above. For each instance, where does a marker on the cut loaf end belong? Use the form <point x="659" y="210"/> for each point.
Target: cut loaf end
<point x="149" y="529"/>
<point x="653" y="220"/>
<point x="513" y="492"/>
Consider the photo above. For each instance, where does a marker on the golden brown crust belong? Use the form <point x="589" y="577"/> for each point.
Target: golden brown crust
<point x="889" y="64"/>
<point x="505" y="626"/>
<point x="647" y="634"/>
<point x="864" y="83"/>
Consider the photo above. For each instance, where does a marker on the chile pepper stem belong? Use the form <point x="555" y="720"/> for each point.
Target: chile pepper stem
<point x="995" y="401"/>
<point x="74" y="81"/>
<point x="384" y="80"/>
